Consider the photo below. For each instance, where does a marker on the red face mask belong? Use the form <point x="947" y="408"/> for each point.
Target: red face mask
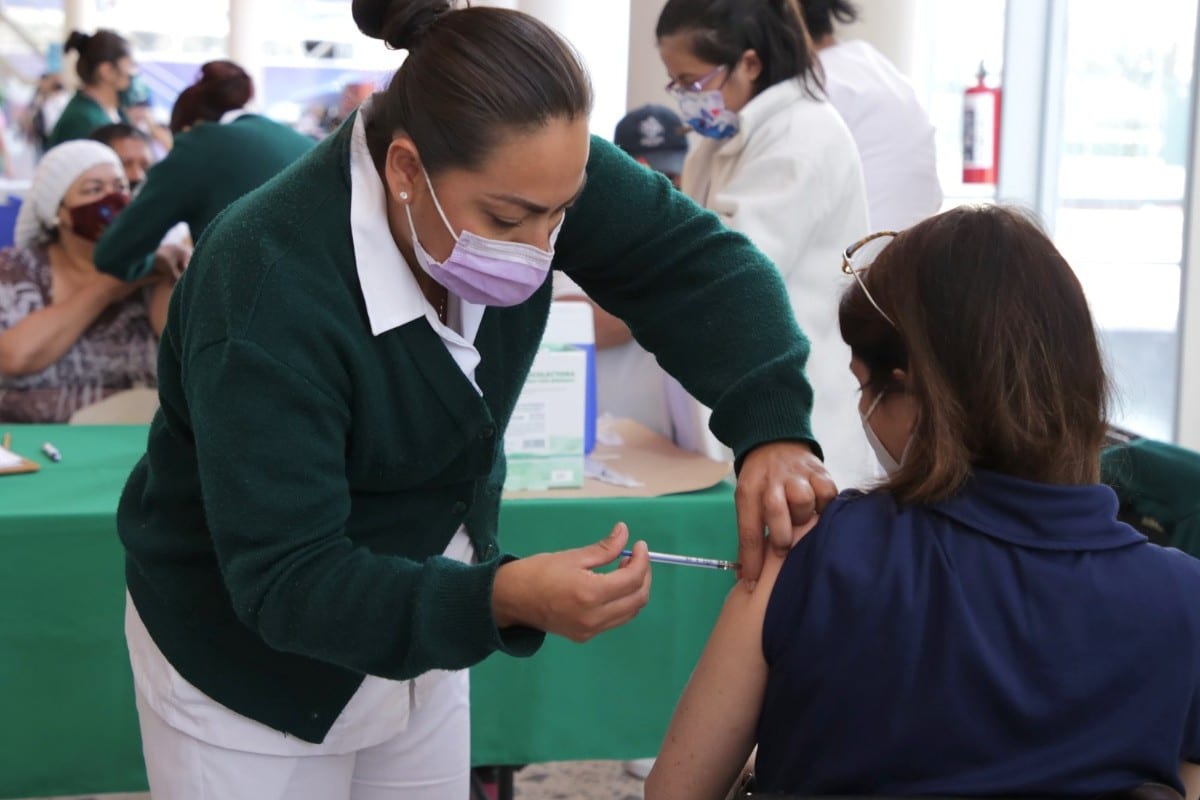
<point x="89" y="221"/>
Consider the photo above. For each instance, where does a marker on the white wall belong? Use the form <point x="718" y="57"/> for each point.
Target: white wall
<point x="1188" y="428"/>
<point x="647" y="76"/>
<point x="891" y="26"/>
<point x="600" y="32"/>
<point x="246" y="21"/>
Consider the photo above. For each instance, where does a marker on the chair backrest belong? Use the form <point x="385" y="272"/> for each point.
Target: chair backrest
<point x="130" y="407"/>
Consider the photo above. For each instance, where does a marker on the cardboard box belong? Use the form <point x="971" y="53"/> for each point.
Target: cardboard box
<point x="545" y="437"/>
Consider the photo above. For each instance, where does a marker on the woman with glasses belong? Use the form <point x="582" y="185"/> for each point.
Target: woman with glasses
<point x="979" y="622"/>
<point x="776" y="163"/>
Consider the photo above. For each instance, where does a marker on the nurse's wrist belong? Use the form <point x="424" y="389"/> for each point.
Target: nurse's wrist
<point x="508" y="601"/>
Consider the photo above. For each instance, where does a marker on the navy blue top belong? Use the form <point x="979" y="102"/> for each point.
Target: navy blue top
<point x="1015" y="639"/>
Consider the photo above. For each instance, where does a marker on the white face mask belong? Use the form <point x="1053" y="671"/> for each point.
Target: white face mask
<point x="890" y="465"/>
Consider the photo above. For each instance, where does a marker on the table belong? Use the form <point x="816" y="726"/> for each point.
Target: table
<point x="67" y="694"/>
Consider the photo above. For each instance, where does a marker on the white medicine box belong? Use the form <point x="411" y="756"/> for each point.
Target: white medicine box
<point x="545" y="437"/>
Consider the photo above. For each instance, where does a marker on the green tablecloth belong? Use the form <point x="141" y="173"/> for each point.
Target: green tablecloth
<point x="66" y="691"/>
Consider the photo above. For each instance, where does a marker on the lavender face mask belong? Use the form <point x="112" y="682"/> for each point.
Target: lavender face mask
<point x="485" y="271"/>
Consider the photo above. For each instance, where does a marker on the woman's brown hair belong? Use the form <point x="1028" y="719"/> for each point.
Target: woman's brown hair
<point x="102" y="47"/>
<point x="994" y="333"/>
<point x="472" y="76"/>
<point x="221" y="87"/>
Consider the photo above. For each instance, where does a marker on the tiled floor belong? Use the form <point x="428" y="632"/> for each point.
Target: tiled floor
<point x="570" y="780"/>
<point x="577" y="780"/>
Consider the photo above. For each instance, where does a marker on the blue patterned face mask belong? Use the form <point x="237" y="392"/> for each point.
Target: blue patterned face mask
<point x="137" y="93"/>
<point x="707" y="114"/>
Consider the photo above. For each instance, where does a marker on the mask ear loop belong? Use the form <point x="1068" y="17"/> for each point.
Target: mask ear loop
<point x="874" y="403"/>
<point x="438" y="205"/>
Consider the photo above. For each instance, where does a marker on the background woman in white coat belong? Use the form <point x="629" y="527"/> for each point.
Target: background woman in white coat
<point x="894" y="134"/>
<point x="777" y="163"/>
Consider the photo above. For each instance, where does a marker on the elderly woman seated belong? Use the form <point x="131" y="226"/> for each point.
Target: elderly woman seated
<point x="69" y="334"/>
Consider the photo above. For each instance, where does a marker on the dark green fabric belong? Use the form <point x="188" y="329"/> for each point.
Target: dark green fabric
<point x="80" y="118"/>
<point x="71" y="726"/>
<point x="1158" y="485"/>
<point x="303" y="475"/>
<point x="208" y="168"/>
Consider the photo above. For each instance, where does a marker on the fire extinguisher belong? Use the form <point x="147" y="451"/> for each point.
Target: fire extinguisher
<point x="981" y="131"/>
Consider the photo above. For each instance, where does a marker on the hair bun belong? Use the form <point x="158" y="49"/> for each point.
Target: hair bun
<point x="225" y="85"/>
<point x="77" y="41"/>
<point x="401" y="24"/>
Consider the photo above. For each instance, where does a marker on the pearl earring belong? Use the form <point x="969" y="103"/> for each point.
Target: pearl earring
<point x="403" y="196"/>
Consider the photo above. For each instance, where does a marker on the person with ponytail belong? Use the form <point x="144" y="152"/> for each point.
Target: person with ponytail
<point x="312" y="553"/>
<point x="105" y="67"/>
<point x="777" y="164"/>
<point x="222" y="151"/>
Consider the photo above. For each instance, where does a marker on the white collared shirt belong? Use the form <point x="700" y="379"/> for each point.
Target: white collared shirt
<point x="233" y="114"/>
<point x="390" y="290"/>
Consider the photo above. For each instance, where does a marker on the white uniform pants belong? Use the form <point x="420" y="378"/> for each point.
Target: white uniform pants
<point x="429" y="760"/>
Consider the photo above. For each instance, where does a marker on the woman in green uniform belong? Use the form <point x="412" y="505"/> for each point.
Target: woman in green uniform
<point x="221" y="152"/>
<point x="106" y="68"/>
<point x="311" y="538"/>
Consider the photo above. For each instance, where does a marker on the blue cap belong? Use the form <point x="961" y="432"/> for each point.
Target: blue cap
<point x="655" y="136"/>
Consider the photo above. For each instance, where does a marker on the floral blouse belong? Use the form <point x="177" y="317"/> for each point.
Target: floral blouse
<point x="119" y="351"/>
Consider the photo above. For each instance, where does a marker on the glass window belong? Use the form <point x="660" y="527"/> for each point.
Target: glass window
<point x="1121" y="189"/>
<point x="1119" y="166"/>
<point x="954" y="38"/>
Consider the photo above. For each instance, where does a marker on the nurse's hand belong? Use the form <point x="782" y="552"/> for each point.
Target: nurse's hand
<point x="780" y="487"/>
<point x="559" y="593"/>
<point x="170" y="260"/>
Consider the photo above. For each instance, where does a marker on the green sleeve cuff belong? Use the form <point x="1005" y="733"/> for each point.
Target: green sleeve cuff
<point x="462" y="593"/>
<point x="519" y="640"/>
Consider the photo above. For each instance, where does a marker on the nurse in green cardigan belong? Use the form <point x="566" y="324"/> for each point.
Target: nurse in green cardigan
<point x="106" y="68"/>
<point x="311" y="538"/>
<point x="221" y="152"/>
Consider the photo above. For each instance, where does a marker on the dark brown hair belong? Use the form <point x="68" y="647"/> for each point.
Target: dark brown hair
<point x="1001" y="353"/>
<point x="472" y="76"/>
<point x="820" y="14"/>
<point x="721" y="31"/>
<point x="221" y="86"/>
<point x="118" y="131"/>
<point x="102" y="47"/>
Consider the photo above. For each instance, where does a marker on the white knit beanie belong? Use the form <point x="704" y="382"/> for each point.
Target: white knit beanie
<point x="55" y="173"/>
